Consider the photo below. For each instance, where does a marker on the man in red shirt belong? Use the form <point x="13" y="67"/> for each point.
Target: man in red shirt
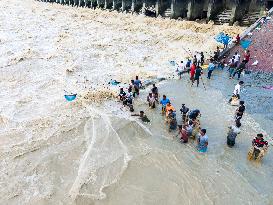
<point x="258" y="144"/>
<point x="247" y="56"/>
<point x="192" y="72"/>
<point x="238" y="39"/>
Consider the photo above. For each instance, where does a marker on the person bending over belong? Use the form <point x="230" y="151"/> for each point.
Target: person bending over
<point x="142" y="116"/>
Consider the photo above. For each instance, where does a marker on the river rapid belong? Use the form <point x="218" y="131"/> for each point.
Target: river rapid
<point x="91" y="151"/>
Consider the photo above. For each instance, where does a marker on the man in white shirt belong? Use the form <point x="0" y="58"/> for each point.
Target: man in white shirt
<point x="237" y="58"/>
<point x="237" y="90"/>
<point x="182" y="69"/>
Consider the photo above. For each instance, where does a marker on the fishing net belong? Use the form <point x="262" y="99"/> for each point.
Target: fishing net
<point x="104" y="160"/>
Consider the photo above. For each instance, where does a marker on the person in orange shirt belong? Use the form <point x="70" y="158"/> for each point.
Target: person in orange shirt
<point x="168" y="108"/>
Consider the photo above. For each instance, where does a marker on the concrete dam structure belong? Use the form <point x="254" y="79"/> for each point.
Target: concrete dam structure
<point x="246" y="12"/>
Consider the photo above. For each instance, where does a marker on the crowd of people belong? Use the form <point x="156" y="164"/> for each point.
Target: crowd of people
<point x="190" y="127"/>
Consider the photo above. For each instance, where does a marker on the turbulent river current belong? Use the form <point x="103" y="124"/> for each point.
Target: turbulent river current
<point x="91" y="150"/>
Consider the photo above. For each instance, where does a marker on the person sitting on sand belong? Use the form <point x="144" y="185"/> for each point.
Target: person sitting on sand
<point x="151" y="100"/>
<point x="142" y="116"/>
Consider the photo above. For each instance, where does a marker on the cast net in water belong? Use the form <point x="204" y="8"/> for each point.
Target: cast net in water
<point x="104" y="160"/>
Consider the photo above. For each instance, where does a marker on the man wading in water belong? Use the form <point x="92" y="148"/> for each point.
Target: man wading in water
<point x="155" y="92"/>
<point x="164" y="102"/>
<point x="232" y="134"/>
<point x="203" y="141"/>
<point x="137" y="84"/>
<point x="184" y="110"/>
<point x="151" y="100"/>
<point x="198" y="73"/>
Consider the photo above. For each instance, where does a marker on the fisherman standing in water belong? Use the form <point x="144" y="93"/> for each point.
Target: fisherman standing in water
<point x="151" y="100"/>
<point x="210" y="69"/>
<point x="168" y="108"/>
<point x="184" y="138"/>
<point x="164" y="102"/>
<point x="240" y="112"/>
<point x="171" y="119"/>
<point x="203" y="141"/>
<point x="138" y="85"/>
<point x="232" y="134"/>
<point x="155" y="92"/>
<point x="198" y="73"/>
<point x="184" y="110"/>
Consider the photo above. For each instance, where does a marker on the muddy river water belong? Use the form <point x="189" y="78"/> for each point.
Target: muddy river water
<point x="56" y="152"/>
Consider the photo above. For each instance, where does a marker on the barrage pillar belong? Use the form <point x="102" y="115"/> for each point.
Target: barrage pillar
<point x="133" y="6"/>
<point x="172" y="9"/>
<point x="123" y="5"/>
<point x="143" y="7"/>
<point x="157" y="8"/>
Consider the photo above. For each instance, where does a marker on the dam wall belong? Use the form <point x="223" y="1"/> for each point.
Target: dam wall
<point x="245" y="12"/>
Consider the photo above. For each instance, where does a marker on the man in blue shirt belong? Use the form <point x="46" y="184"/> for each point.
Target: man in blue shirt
<point x="210" y="68"/>
<point x="203" y="141"/>
<point x="164" y="102"/>
<point x="137" y="84"/>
